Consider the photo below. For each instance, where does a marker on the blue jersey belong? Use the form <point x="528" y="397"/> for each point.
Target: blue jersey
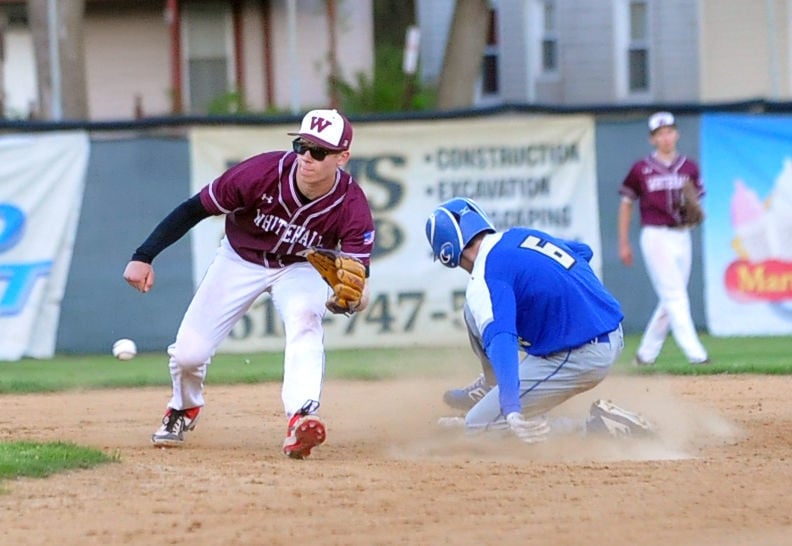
<point x="533" y="291"/>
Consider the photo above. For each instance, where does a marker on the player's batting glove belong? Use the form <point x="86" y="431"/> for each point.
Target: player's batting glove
<point x="531" y="430"/>
<point x="345" y="274"/>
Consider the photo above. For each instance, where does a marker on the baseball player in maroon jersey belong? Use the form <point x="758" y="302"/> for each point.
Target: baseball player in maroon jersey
<point x="656" y="183"/>
<point x="276" y="205"/>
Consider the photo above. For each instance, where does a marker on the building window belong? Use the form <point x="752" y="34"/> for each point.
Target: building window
<point x="638" y="47"/>
<point x="549" y="37"/>
<point x="16" y="15"/>
<point x="489" y="72"/>
<point x="208" y="60"/>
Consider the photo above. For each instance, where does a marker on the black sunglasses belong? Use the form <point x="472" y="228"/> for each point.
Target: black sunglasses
<point x="300" y="147"/>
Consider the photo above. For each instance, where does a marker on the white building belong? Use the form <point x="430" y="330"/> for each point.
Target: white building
<point x="601" y="52"/>
<point x="159" y="57"/>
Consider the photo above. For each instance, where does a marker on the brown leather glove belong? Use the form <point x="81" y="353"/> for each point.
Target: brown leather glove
<point x="690" y="210"/>
<point x="345" y="274"/>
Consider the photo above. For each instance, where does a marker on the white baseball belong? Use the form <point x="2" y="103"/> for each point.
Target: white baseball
<point x="124" y="349"/>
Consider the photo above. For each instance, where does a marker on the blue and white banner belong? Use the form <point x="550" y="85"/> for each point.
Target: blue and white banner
<point x="41" y="187"/>
<point x="747" y="170"/>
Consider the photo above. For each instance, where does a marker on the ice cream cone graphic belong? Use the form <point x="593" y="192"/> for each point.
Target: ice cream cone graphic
<point x="749" y="220"/>
<point x="780" y="214"/>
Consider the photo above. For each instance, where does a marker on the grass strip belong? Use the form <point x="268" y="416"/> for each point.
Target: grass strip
<point x="767" y="355"/>
<point x="39" y="460"/>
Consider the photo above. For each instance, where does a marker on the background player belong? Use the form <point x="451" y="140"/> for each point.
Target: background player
<point x="277" y="204"/>
<point x="656" y="183"/>
<point x="529" y="290"/>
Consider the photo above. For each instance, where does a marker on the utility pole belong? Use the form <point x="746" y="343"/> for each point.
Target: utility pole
<point x="57" y="29"/>
<point x="3" y="29"/>
<point x="294" y="68"/>
<point x="56" y="97"/>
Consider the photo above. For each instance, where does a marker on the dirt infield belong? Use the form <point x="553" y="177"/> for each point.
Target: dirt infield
<point x="719" y="473"/>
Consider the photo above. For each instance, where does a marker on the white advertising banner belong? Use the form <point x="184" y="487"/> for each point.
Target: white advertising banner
<point x="42" y="178"/>
<point x="537" y="171"/>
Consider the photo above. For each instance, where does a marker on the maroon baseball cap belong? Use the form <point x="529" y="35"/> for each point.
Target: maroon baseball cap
<point x="327" y="129"/>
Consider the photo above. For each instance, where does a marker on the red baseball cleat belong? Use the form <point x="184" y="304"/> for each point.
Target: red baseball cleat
<point x="303" y="433"/>
<point x="174" y="424"/>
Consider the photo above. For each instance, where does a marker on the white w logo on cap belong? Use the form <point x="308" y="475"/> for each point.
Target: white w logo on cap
<point x="320" y="124"/>
<point x="326" y="128"/>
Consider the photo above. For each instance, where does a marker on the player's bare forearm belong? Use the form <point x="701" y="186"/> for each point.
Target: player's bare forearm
<point x="625" y="254"/>
<point x="139" y="275"/>
<point x="625" y="215"/>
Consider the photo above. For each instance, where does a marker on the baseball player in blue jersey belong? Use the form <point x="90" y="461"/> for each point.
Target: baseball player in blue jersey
<point x="538" y="318"/>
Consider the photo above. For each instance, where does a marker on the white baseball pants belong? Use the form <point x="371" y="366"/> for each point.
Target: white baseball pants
<point x="667" y="253"/>
<point x="228" y="289"/>
<point x="546" y="382"/>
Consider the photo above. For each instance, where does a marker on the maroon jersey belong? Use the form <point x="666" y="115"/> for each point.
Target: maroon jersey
<point x="658" y="188"/>
<point x="268" y="221"/>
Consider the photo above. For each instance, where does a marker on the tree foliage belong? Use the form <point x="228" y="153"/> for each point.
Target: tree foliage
<point x="390" y="90"/>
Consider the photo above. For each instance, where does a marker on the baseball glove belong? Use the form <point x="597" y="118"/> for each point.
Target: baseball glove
<point x="690" y="210"/>
<point x="345" y="274"/>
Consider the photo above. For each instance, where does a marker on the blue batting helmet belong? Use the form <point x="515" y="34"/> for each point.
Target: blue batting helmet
<point x="451" y="227"/>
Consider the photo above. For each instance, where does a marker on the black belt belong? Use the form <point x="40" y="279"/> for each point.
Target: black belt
<point x="602" y="338"/>
<point x="670" y="226"/>
<point x="285" y="259"/>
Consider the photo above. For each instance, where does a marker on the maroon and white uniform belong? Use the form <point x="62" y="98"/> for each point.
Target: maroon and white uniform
<point x="268" y="222"/>
<point x="666" y="250"/>
<point x="658" y="188"/>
